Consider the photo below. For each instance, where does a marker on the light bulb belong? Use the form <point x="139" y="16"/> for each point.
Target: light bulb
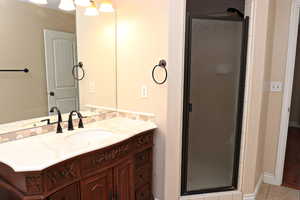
<point x="43" y="2"/>
<point x="66" y="5"/>
<point x="92" y="10"/>
<point x="106" y="6"/>
<point x="84" y="3"/>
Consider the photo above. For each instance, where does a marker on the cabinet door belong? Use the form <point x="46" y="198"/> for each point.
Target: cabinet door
<point x="124" y="180"/>
<point x="68" y="193"/>
<point x="98" y="187"/>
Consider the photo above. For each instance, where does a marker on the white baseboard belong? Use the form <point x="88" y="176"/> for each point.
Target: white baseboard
<point x="257" y="187"/>
<point x="249" y="197"/>
<point x="211" y="195"/>
<point x="270" y="179"/>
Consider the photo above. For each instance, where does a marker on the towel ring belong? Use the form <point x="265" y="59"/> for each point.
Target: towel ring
<point x="79" y="66"/>
<point x="162" y="64"/>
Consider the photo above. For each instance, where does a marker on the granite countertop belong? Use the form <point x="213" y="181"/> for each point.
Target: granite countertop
<point x="40" y="152"/>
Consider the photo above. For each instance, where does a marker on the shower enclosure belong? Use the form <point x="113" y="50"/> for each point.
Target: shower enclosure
<point x="213" y="103"/>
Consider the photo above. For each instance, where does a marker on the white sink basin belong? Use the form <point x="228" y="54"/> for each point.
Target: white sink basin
<point x="92" y="136"/>
<point x="73" y="141"/>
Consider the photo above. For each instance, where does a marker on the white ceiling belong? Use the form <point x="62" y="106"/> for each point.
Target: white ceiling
<point x="51" y="3"/>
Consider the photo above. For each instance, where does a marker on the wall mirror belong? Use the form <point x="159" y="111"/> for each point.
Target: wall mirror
<point x="49" y="40"/>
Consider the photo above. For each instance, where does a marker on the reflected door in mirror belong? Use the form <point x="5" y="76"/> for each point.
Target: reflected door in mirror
<point x="60" y="54"/>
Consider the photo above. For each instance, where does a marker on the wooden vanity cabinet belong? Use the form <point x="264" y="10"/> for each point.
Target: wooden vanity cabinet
<point x="113" y="184"/>
<point x="124" y="181"/>
<point x="99" y="186"/>
<point x="122" y="171"/>
<point x="71" y="192"/>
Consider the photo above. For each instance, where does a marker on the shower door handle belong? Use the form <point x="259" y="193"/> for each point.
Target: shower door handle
<point x="190" y="107"/>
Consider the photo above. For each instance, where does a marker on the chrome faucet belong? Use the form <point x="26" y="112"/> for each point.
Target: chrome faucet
<point x="59" y="119"/>
<point x="70" y="121"/>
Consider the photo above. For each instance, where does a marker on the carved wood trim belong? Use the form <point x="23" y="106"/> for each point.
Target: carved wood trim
<point x="34" y="184"/>
<point x="144" y="140"/>
<point x="61" y="175"/>
<point x="111" y="154"/>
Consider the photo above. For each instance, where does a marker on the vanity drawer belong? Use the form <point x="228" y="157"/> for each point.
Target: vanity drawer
<point x="61" y="175"/>
<point x="143" y="157"/>
<point x="143" y="175"/>
<point x="104" y="158"/>
<point x="143" y="193"/>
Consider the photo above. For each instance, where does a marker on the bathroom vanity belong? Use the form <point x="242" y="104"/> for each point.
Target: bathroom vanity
<point x="109" y="156"/>
<point x="120" y="169"/>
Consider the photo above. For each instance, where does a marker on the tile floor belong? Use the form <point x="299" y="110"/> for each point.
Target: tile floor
<point x="271" y="192"/>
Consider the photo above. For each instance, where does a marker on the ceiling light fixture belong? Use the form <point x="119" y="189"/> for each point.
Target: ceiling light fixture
<point x="67" y="5"/>
<point x="42" y="2"/>
<point x="83" y="3"/>
<point x="106" y="6"/>
<point x="92" y="10"/>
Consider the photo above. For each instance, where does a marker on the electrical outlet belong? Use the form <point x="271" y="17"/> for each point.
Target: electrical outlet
<point x="276" y="86"/>
<point x="144" y="91"/>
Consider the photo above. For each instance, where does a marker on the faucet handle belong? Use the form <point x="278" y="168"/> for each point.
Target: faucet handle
<point x="70" y="123"/>
<point x="59" y="128"/>
<point x="80" y="124"/>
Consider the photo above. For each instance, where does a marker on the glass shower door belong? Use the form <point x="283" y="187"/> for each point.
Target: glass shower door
<point x="214" y="91"/>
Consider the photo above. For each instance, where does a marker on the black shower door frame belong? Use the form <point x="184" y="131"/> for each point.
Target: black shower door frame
<point x="187" y="107"/>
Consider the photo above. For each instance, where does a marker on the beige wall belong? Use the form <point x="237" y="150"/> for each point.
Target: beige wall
<point x="266" y="89"/>
<point x="256" y="98"/>
<point x="142" y="42"/>
<point x="279" y="56"/>
<point x="96" y="49"/>
<point x="24" y="96"/>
